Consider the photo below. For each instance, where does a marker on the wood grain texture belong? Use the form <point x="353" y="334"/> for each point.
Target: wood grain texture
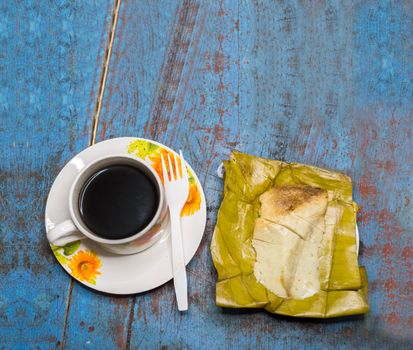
<point x="323" y="82"/>
<point x="48" y="64"/>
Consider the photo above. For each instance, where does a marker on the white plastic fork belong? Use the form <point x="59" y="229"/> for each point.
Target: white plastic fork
<point x="177" y="190"/>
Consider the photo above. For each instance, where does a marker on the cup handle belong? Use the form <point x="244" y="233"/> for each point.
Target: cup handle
<point x="63" y="233"/>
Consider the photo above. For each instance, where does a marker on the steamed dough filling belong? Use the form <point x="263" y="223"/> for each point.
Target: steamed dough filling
<point x="288" y="238"/>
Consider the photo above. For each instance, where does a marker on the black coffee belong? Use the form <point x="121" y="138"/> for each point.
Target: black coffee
<point x="118" y="201"/>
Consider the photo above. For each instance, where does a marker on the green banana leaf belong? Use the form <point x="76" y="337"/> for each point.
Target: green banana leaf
<point x="343" y="285"/>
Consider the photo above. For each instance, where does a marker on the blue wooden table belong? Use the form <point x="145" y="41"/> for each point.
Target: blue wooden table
<point x="327" y="82"/>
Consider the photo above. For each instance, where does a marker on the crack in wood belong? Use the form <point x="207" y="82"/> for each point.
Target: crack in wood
<point x="67" y="308"/>
<point x="130" y="323"/>
<point x="104" y="74"/>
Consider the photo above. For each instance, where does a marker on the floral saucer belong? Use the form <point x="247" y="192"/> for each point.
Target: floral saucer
<point x="87" y="262"/>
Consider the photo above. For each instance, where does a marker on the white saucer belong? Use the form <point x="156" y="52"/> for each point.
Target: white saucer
<point x="121" y="274"/>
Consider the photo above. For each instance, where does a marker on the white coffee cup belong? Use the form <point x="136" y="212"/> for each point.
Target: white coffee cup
<point x="74" y="227"/>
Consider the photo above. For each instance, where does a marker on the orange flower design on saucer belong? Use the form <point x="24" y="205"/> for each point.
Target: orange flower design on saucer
<point x="152" y="153"/>
<point x="85" y="266"/>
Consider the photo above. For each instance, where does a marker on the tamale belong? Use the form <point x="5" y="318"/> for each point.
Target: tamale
<point x="338" y="287"/>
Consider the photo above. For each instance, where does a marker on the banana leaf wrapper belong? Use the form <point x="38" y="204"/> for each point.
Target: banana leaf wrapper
<point x="343" y="284"/>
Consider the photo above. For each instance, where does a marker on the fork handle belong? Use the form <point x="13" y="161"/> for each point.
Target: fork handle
<point x="178" y="263"/>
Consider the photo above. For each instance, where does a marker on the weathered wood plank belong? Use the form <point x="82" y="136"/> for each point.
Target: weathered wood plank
<point x="50" y="53"/>
<point x="328" y="78"/>
<point x="181" y="119"/>
<point x="143" y="36"/>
